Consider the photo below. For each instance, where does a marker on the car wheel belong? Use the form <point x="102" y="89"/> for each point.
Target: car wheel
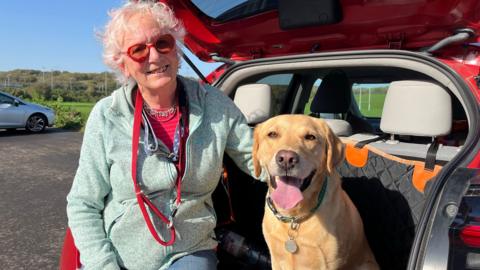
<point x="36" y="123"/>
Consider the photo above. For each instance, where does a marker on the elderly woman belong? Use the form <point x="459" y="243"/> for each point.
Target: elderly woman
<point x="152" y="153"/>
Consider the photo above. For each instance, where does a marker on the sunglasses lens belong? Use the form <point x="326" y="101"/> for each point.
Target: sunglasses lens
<point x="165" y="44"/>
<point x="138" y="51"/>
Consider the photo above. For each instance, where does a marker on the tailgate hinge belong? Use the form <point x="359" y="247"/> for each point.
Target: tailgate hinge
<point x="256" y="53"/>
<point x="395" y="41"/>
<point x="477" y="80"/>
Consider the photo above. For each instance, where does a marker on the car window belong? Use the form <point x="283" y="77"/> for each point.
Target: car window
<point x="5" y="100"/>
<point x="370" y="98"/>
<point x="315" y="86"/>
<point x="313" y="92"/>
<point x="229" y="10"/>
<point x="279" y="84"/>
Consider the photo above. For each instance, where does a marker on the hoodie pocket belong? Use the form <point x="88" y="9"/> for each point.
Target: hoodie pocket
<point x="133" y="241"/>
<point x="126" y="205"/>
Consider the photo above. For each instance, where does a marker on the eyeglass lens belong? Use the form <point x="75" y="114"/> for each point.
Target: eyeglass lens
<point x="163" y="45"/>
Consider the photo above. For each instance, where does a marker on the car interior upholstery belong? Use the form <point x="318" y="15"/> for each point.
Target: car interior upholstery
<point x="334" y="96"/>
<point x="254" y="101"/>
<point x="398" y="183"/>
<point x="392" y="168"/>
<point x="417" y="125"/>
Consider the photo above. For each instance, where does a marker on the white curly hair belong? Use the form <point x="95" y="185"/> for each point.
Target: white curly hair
<point x="116" y="28"/>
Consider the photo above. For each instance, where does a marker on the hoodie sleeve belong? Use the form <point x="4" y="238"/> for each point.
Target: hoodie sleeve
<point x="240" y="135"/>
<point x="239" y="144"/>
<point x="85" y="201"/>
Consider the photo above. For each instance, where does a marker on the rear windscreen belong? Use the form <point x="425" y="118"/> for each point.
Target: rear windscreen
<point x="234" y="9"/>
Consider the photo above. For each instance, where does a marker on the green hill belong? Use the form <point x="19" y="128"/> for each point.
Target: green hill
<point x="57" y="85"/>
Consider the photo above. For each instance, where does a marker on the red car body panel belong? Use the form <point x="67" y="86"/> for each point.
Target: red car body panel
<point x="70" y="257"/>
<point x="467" y="65"/>
<point x="366" y="24"/>
<point x="465" y="60"/>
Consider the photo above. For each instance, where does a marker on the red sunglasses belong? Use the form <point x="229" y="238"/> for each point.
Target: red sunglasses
<point x="140" y="52"/>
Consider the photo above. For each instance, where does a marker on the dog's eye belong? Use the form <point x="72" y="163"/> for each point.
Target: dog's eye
<point x="310" y="137"/>
<point x="272" y="134"/>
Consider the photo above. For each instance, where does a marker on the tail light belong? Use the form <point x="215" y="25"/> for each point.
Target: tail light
<point x="464" y="235"/>
<point x="470" y="236"/>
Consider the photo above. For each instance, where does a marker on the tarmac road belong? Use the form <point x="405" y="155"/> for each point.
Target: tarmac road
<point x="36" y="172"/>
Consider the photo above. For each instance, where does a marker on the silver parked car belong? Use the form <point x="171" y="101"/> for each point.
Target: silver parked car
<point x="16" y="113"/>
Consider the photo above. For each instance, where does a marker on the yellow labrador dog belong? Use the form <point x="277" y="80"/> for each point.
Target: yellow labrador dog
<point x="309" y="222"/>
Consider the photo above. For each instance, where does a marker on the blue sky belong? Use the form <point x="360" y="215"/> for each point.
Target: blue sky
<point x="57" y="35"/>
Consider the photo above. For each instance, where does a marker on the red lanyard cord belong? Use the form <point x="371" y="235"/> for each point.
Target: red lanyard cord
<point x="141" y="197"/>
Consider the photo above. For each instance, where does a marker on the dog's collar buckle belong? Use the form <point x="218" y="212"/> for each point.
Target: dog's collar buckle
<point x="294" y="225"/>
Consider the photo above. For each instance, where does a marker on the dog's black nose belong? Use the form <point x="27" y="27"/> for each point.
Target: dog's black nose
<point x="286" y="159"/>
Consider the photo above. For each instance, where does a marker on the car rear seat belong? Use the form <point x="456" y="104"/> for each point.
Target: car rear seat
<point x="414" y="109"/>
<point x="389" y="191"/>
<point x="254" y="101"/>
<point x="235" y="212"/>
<point x="334" y="96"/>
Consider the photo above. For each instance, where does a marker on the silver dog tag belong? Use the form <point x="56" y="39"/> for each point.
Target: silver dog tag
<point x="291" y="246"/>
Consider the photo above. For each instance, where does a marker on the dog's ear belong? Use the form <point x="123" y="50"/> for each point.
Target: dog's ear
<point x="257" y="169"/>
<point x="335" y="149"/>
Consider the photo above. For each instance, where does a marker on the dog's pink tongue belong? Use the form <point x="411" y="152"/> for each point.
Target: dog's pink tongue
<point x="287" y="194"/>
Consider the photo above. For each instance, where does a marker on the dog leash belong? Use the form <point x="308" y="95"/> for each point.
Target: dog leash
<point x="142" y="198"/>
<point x="290" y="245"/>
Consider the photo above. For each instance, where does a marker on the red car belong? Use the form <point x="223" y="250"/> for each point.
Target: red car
<point x="397" y="80"/>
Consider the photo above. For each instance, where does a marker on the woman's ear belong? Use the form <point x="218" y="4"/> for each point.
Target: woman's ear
<point x="124" y="70"/>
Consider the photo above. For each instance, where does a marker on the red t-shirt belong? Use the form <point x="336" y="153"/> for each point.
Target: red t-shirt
<point x="164" y="128"/>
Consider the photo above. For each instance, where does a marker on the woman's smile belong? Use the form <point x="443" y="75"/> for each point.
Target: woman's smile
<point x="159" y="70"/>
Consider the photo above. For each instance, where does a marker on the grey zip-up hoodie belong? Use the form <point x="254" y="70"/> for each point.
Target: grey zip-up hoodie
<point x="103" y="214"/>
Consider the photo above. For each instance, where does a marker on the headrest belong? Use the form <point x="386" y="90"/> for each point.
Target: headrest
<point x="254" y="100"/>
<point x="416" y="108"/>
<point x="334" y="94"/>
<point x="339" y="127"/>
